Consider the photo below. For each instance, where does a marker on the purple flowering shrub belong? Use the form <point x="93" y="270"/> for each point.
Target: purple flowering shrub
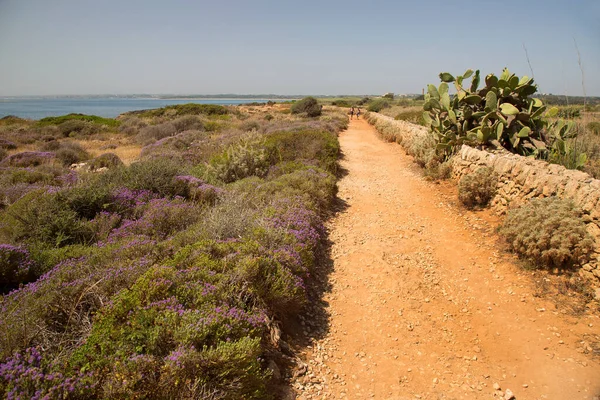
<point x="197" y="190"/>
<point x="28" y="159"/>
<point x="15" y="265"/>
<point x="27" y="375"/>
<point x="160" y="219"/>
<point x="153" y="282"/>
<point x="180" y="326"/>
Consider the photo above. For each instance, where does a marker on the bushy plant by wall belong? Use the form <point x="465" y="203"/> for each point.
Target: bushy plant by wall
<point x="549" y="233"/>
<point x="308" y="105"/>
<point x="478" y="188"/>
<point x="502" y="113"/>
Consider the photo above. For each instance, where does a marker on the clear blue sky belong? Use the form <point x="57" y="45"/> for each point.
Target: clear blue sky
<point x="289" y="47"/>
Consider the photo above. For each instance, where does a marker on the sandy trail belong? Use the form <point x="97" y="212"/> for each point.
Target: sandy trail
<point x="423" y="304"/>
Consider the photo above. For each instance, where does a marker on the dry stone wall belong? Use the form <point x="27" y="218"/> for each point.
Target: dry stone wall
<point x="519" y="179"/>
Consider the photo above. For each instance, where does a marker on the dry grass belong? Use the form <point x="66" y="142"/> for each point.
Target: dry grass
<point x="127" y="152"/>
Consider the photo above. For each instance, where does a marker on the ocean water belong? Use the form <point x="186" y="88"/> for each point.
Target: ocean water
<point x="109" y="107"/>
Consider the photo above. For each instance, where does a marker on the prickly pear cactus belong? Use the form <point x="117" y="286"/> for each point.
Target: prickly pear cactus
<point x="501" y="113"/>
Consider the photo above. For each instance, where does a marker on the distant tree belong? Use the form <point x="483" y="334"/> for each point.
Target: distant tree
<point x="308" y="105"/>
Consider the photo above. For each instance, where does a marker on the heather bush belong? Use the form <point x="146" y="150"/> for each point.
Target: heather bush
<point x="187" y="123"/>
<point x="191" y="147"/>
<point x="106" y="160"/>
<point x="478" y="188"/>
<point x="153" y="133"/>
<point x="549" y="233"/>
<point x="3" y="154"/>
<point x="155" y="283"/>
<point x="6" y="144"/>
<point x="197" y="190"/>
<point x="308" y="106"/>
<point x="15" y="266"/>
<point x="28" y="159"/>
<point x="71" y="153"/>
<point x="131" y="125"/>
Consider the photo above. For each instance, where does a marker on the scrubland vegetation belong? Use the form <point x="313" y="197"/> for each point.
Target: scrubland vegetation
<point x="157" y="279"/>
<point x="504" y="114"/>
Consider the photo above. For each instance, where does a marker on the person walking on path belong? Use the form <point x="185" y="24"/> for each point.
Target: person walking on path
<point x="351" y="112"/>
<point x="357" y="112"/>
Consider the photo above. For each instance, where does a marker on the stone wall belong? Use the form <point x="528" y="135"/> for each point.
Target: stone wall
<point x="519" y="179"/>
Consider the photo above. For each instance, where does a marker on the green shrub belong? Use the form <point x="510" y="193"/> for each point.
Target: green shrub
<point x="131" y="125"/>
<point x="43" y="217"/>
<point x="76" y="127"/>
<point x="594" y="127"/>
<point x="3" y="154"/>
<point x="154" y="174"/>
<point x="15" y="266"/>
<point x="436" y="170"/>
<point x="341" y="103"/>
<point x="152" y="133"/>
<point x="412" y="116"/>
<point x="478" y="188"/>
<point x="308" y="105"/>
<point x="249" y="157"/>
<point x="106" y="160"/>
<point x="86" y="199"/>
<point x="378" y="105"/>
<point x="549" y="233"/>
<point x="308" y="146"/>
<point x="71" y="153"/>
<point x="569" y="112"/>
<point x="94" y="119"/>
<point x="183" y="109"/>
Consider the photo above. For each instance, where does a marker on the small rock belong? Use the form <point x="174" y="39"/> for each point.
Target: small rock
<point x="508" y="395"/>
<point x="497" y="386"/>
<point x="274" y="370"/>
<point x="436" y="381"/>
<point x="525" y="385"/>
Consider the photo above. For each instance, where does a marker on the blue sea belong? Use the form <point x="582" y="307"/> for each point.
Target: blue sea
<point x="109" y="107"/>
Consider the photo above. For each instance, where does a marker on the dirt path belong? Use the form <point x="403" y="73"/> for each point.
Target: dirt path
<point x="423" y="305"/>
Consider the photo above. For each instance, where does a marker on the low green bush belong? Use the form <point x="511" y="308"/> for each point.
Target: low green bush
<point x="247" y="158"/>
<point x="548" y="233"/>
<point x="594" y="127"/>
<point x="378" y="105"/>
<point x="183" y="109"/>
<point x="413" y="116"/>
<point x="308" y="105"/>
<point x="42" y="217"/>
<point x="110" y="122"/>
<point x="106" y="160"/>
<point x="307" y="146"/>
<point x="71" y="153"/>
<point x="478" y="188"/>
<point x="15" y="266"/>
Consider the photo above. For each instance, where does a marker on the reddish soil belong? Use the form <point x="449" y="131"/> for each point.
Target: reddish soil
<point x="424" y="304"/>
